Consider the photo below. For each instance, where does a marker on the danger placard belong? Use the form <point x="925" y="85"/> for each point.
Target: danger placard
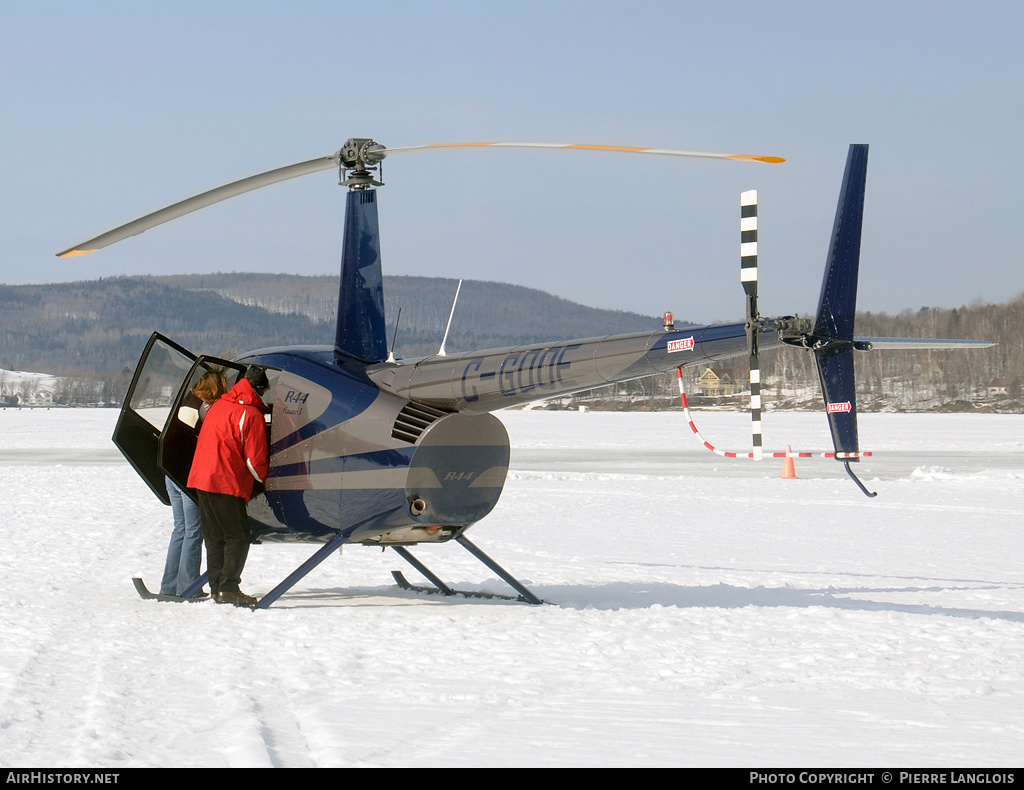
<point x="680" y="345"/>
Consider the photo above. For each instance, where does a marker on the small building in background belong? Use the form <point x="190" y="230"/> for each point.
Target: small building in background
<point x="727" y="381"/>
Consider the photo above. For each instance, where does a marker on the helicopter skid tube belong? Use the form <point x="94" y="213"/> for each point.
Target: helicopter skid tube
<point x="406" y="585"/>
<point x="406" y="555"/>
<point x="329" y="548"/>
<point x="147" y="595"/>
<point x="524" y="594"/>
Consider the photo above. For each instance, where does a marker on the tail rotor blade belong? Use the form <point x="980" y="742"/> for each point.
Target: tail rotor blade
<point x="748" y="277"/>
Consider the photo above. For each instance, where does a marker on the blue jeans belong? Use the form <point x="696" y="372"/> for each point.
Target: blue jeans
<point x="184" y="554"/>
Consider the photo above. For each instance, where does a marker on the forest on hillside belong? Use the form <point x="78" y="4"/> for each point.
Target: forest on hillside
<point x="887" y="380"/>
<point x="487" y="315"/>
<point x="91" y="333"/>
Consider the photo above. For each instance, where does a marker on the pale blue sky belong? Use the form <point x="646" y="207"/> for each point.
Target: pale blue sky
<point x="111" y="110"/>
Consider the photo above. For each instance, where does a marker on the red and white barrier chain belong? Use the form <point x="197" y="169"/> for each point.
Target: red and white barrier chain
<point x="724" y="454"/>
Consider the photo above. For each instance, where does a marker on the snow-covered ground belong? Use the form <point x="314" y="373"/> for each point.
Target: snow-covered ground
<point x="703" y="611"/>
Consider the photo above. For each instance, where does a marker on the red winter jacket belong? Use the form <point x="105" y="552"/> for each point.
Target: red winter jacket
<point x="231" y="454"/>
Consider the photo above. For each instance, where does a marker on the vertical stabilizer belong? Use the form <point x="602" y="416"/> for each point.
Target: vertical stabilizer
<point x="837" y="305"/>
<point x="360" y="332"/>
<point x="838" y="300"/>
<point x="835" y="371"/>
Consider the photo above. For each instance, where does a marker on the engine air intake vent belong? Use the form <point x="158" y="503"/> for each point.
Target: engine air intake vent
<point x="413" y="420"/>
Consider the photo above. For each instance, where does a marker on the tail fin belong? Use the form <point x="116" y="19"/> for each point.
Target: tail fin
<point x="838" y="301"/>
<point x="360" y="332"/>
<point x="837" y="305"/>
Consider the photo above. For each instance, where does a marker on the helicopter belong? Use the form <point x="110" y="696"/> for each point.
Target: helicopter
<point x="373" y="450"/>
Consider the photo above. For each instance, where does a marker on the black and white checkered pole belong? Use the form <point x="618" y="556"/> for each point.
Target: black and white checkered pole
<point x="748" y="277"/>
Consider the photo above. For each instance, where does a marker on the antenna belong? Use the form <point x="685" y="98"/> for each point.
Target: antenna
<point x="394" y="337"/>
<point x="441" y="352"/>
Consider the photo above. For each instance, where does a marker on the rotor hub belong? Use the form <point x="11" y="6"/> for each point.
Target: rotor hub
<point x="358" y="161"/>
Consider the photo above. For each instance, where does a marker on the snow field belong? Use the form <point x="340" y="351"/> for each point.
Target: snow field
<point x="697" y="617"/>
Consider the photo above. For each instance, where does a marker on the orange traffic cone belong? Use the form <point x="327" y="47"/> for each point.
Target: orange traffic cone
<point x="788" y="470"/>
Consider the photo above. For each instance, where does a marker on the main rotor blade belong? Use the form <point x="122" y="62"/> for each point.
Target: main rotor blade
<point x="200" y="201"/>
<point x="584" y="147"/>
<point x="324" y="163"/>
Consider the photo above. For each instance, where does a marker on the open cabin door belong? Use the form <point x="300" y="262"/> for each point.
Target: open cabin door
<point x="176" y="446"/>
<point x="157" y="380"/>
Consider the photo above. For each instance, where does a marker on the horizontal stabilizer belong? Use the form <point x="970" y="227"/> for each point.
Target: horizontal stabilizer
<point x="911" y="343"/>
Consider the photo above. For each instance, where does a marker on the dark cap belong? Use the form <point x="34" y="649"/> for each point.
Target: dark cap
<point x="256" y="375"/>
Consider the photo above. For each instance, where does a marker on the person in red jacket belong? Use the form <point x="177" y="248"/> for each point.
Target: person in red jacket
<point x="231" y="457"/>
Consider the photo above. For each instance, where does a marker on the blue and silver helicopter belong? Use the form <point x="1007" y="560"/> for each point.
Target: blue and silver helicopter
<point x="369" y="449"/>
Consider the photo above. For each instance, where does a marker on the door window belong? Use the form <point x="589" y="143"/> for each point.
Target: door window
<point x="146" y="406"/>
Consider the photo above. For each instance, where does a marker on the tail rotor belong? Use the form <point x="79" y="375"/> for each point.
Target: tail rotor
<point x="831" y="336"/>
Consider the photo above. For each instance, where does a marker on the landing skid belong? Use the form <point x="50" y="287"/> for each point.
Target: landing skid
<point x="441" y="588"/>
<point x="406" y="585"/>
<point x="327" y="549"/>
<point x="145" y="594"/>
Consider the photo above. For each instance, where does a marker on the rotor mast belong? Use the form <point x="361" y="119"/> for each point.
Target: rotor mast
<point x="360" y="332"/>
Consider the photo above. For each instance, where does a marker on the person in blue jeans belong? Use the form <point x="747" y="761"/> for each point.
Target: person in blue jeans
<point x="184" y="554"/>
